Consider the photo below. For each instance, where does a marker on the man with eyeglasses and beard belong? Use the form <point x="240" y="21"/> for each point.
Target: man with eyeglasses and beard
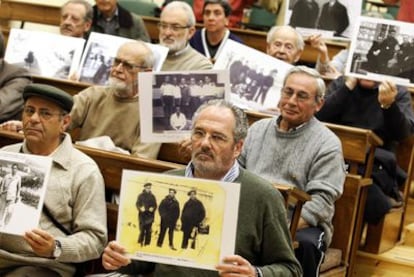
<point x="102" y="110"/>
<point x="176" y="27"/>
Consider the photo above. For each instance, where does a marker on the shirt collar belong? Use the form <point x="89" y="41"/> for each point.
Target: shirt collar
<point x="230" y="176"/>
<point x="181" y="51"/>
<point x="279" y="119"/>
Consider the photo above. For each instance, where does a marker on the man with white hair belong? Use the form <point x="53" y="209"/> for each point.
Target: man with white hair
<point x="176" y="27"/>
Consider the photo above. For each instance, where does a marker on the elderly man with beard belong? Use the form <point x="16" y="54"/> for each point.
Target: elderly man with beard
<point x="176" y="27"/>
<point x="101" y="110"/>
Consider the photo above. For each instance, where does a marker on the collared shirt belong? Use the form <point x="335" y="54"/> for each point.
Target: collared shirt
<point x="179" y="52"/>
<point x="110" y="25"/>
<point x="230" y="176"/>
<point x="279" y="119"/>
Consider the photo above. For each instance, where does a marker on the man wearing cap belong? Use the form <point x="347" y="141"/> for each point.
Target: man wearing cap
<point x="72" y="227"/>
<point x="263" y="244"/>
<point x="146" y="205"/>
<point x="169" y="212"/>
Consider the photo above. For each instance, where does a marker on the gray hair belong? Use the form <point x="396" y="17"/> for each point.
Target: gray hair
<point x="185" y="7"/>
<point x="88" y="8"/>
<point x="148" y="59"/>
<point x="320" y="83"/>
<point x="241" y="125"/>
<point x="300" y="43"/>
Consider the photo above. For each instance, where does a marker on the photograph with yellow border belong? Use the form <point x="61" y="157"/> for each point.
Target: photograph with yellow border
<point x="177" y="220"/>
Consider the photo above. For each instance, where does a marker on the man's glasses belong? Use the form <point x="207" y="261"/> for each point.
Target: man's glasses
<point x="301" y="96"/>
<point x="172" y="27"/>
<point x="126" y="65"/>
<point x="42" y="113"/>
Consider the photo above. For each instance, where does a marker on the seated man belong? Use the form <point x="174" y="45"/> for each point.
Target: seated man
<point x="295" y="148"/>
<point x="13" y="79"/>
<point x="110" y="18"/>
<point x="176" y="27"/>
<point x="384" y="109"/>
<point x="76" y="18"/>
<point x="72" y="226"/>
<point x="263" y="244"/>
<point x="211" y="39"/>
<point x="100" y="111"/>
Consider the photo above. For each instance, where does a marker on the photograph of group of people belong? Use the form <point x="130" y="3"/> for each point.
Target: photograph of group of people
<point x="255" y="78"/>
<point x="174" y="99"/>
<point x="383" y="48"/>
<point x="22" y="189"/>
<point x="333" y="18"/>
<point x="173" y="217"/>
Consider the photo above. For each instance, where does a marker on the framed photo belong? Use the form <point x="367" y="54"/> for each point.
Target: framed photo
<point x="331" y="18"/>
<point x="99" y="53"/>
<point x="44" y="54"/>
<point x="23" y="183"/>
<point x="176" y="220"/>
<point x="171" y="99"/>
<point x="255" y="77"/>
<point x="380" y="49"/>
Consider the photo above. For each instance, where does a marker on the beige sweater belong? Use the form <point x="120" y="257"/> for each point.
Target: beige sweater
<point x="98" y="112"/>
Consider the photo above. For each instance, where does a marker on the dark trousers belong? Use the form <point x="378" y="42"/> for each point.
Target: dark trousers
<point x="311" y="250"/>
<point x="163" y="229"/>
<point x="186" y="236"/>
<point x="144" y="234"/>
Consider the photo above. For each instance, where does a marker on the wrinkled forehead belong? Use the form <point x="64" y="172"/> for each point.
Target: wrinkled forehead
<point x="285" y="36"/>
<point x="174" y="16"/>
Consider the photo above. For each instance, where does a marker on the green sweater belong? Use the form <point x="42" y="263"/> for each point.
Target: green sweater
<point x="262" y="238"/>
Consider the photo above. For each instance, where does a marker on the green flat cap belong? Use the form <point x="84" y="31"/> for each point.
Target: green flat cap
<point x="54" y="94"/>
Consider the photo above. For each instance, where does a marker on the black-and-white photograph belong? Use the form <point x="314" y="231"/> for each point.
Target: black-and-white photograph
<point x="99" y="53"/>
<point x="331" y="18"/>
<point x="177" y="220"/>
<point x="255" y="77"/>
<point x="44" y="54"/>
<point x="382" y="48"/>
<point x="174" y="99"/>
<point x="23" y="181"/>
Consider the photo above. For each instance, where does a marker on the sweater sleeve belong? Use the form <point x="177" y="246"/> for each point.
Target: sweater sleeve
<point x="399" y="118"/>
<point x="336" y="101"/>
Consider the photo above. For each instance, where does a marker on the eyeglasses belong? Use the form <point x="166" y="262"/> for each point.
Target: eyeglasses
<point x="43" y="114"/>
<point x="172" y="27"/>
<point x="301" y="96"/>
<point x="215" y="138"/>
<point x="126" y="65"/>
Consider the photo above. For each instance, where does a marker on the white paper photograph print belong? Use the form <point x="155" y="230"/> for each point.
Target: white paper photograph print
<point x="331" y="18"/>
<point x="255" y="77"/>
<point x="382" y="49"/>
<point x="23" y="183"/>
<point x="99" y="53"/>
<point x="44" y="54"/>
<point x="176" y="220"/>
<point x="168" y="101"/>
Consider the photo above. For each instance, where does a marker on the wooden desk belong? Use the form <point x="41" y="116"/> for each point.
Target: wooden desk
<point x="71" y="87"/>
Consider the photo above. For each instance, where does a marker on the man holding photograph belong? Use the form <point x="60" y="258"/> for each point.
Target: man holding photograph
<point x="72" y="227"/>
<point x="218" y="133"/>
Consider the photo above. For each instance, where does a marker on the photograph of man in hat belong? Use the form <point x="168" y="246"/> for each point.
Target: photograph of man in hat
<point x="9" y="194"/>
<point x="146" y="205"/>
<point x="193" y="214"/>
<point x="169" y="212"/>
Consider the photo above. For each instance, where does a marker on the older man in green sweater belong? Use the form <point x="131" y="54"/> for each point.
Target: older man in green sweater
<point x="263" y="244"/>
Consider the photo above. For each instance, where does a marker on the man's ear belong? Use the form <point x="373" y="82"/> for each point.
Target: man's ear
<point x="191" y="32"/>
<point x="298" y="55"/>
<point x="238" y="148"/>
<point x="66" y="120"/>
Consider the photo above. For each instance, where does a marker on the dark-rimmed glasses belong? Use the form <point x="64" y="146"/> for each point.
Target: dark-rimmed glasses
<point x="126" y="65"/>
<point x="42" y="113"/>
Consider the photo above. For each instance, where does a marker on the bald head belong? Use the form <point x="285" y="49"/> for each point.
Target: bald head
<point x="138" y="52"/>
<point x="285" y="43"/>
